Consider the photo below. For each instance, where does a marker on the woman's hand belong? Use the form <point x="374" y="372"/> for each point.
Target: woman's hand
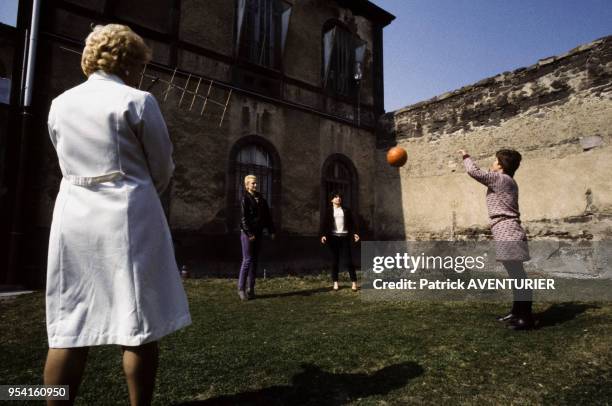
<point x="252" y="238"/>
<point x="323" y="240"/>
<point x="463" y="152"/>
<point x="356" y="237"/>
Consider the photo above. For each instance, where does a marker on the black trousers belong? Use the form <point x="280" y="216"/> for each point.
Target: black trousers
<point x="340" y="248"/>
<point x="523" y="298"/>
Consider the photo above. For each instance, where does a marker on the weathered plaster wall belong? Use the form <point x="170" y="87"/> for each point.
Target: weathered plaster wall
<point x="208" y="26"/>
<point x="552" y="112"/>
<point x="303" y="141"/>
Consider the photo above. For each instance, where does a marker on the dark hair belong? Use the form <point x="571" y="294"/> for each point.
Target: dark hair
<point x="334" y="194"/>
<point x="509" y="160"/>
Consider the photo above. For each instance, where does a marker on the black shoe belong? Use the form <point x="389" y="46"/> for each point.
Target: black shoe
<point x="508" y="317"/>
<point x="521" y="323"/>
<point x="251" y="294"/>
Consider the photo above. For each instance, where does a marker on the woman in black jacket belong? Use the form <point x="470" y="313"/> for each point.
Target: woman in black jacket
<point x="255" y="217"/>
<point x="338" y="230"/>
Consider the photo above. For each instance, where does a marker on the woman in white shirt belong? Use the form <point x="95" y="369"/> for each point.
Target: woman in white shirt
<point x="338" y="231"/>
<point x="112" y="276"/>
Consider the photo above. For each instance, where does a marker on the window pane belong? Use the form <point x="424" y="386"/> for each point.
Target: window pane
<point x="253" y="160"/>
<point x="339" y="60"/>
<point x="260" y="31"/>
<point x="5" y="90"/>
<point x="285" y="18"/>
<point x="328" y="46"/>
<point x="254" y="154"/>
<point x="342" y="62"/>
<point x="7" y="50"/>
<point x="8" y="12"/>
<point x="338" y="179"/>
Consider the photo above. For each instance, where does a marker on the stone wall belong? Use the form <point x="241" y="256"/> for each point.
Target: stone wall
<point x="557" y="113"/>
<point x="302" y="140"/>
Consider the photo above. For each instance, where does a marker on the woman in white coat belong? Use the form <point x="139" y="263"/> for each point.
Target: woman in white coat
<point x="112" y="277"/>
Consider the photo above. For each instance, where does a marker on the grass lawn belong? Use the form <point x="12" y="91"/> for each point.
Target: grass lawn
<point x="300" y="343"/>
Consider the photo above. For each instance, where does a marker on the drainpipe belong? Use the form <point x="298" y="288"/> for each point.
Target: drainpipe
<point x="17" y="224"/>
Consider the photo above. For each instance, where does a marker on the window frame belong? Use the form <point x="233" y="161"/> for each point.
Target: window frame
<point x="329" y="57"/>
<point x="233" y="204"/>
<point x="353" y="184"/>
<point x="17" y="37"/>
<point x="280" y="16"/>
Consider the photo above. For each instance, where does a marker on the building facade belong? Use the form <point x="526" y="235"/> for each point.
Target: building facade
<point x="288" y="90"/>
<point x="292" y="91"/>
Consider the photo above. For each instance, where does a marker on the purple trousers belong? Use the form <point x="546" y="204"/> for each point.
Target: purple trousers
<point x="250" y="255"/>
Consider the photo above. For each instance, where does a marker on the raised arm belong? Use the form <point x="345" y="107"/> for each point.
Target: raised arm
<point x="489" y="179"/>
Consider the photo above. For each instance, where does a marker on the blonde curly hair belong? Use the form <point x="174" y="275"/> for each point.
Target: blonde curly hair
<point x="115" y="49"/>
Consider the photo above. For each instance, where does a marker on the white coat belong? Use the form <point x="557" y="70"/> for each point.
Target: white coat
<point x="112" y="276"/>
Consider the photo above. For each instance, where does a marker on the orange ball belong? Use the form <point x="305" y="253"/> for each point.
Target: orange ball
<point x="397" y="156"/>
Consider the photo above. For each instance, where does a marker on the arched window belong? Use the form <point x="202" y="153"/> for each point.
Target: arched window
<point x="254" y="160"/>
<point x="254" y="155"/>
<point x="339" y="175"/>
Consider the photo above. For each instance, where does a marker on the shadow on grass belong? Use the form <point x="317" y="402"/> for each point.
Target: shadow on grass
<point x="307" y="292"/>
<point x="318" y="387"/>
<point x="559" y="313"/>
<point x="594" y="389"/>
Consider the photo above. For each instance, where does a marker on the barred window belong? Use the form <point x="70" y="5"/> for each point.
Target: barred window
<point x="254" y="160"/>
<point x="339" y="175"/>
<point x="253" y="155"/>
